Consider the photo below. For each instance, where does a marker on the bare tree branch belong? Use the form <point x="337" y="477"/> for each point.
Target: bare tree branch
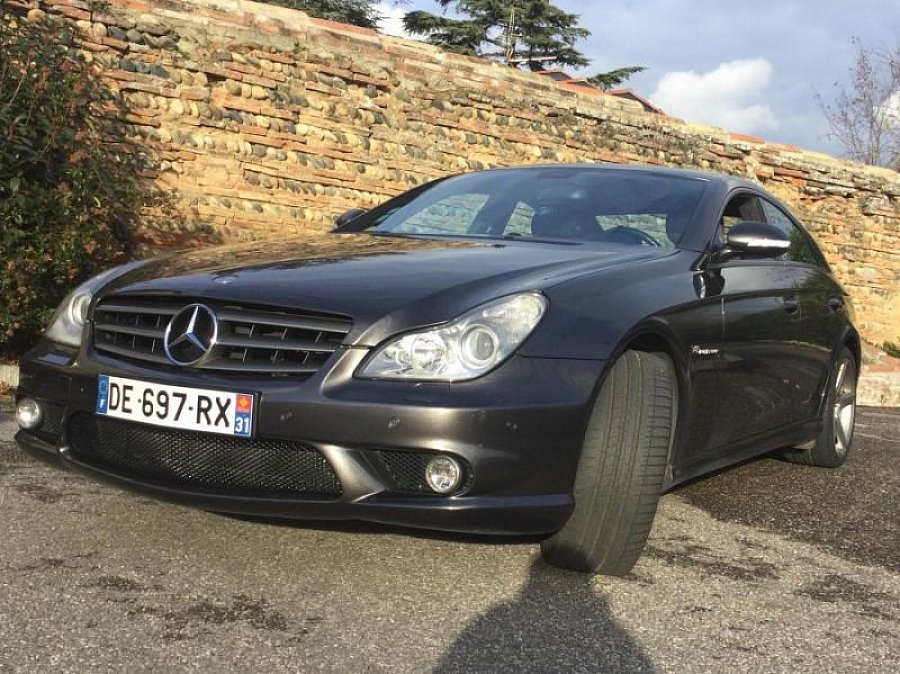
<point x="865" y="117"/>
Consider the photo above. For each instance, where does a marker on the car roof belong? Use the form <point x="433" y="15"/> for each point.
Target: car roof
<point x="729" y="182"/>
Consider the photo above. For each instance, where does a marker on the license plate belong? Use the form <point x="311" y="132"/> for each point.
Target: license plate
<point x="194" y="409"/>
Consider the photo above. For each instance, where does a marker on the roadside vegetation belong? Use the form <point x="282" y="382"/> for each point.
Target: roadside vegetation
<point x="892" y="348"/>
<point x="70" y="186"/>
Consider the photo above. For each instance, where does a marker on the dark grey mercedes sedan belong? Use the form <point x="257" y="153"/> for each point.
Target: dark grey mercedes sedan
<point x="537" y="350"/>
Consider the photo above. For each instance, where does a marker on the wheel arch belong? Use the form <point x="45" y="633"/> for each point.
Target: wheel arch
<point x="849" y="339"/>
<point x="656" y="336"/>
<point x="852" y="341"/>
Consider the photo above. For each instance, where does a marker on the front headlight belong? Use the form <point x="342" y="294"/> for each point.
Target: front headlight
<point x="468" y="347"/>
<point x="67" y="324"/>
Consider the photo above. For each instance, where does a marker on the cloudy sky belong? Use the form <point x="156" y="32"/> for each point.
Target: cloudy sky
<point x="751" y="67"/>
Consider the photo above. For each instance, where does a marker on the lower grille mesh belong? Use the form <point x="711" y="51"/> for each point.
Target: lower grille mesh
<point x="52" y="426"/>
<point x="202" y="460"/>
<point x="406" y="469"/>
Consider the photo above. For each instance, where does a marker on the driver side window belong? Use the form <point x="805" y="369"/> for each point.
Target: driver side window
<point x="740" y="207"/>
<point x="801" y="250"/>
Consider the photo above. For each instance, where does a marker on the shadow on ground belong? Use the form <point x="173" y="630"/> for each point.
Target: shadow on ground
<point x="852" y="510"/>
<point x="557" y="623"/>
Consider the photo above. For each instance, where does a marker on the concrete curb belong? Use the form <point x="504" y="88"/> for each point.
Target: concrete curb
<point x="879" y="389"/>
<point x="9" y="375"/>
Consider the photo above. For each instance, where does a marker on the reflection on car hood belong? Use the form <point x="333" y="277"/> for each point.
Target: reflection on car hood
<point x="384" y="283"/>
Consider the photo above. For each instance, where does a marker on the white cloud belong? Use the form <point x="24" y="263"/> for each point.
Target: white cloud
<point x="732" y="96"/>
<point x="891" y="109"/>
<point x="391" y="22"/>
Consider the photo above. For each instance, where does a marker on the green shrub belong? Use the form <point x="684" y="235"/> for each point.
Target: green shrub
<point x="892" y="348"/>
<point x="70" y="187"/>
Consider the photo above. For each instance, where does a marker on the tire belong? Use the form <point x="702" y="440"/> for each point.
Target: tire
<point x="622" y="468"/>
<point x="831" y="448"/>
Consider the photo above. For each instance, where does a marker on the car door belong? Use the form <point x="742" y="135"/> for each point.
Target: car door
<point x="758" y="382"/>
<point x="822" y="311"/>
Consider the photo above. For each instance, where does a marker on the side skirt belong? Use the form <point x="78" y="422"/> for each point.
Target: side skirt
<point x="789" y="436"/>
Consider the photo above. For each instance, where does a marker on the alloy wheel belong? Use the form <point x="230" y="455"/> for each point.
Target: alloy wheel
<point x="844" y="407"/>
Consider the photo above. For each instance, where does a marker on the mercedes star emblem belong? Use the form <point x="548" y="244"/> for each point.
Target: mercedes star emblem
<point x="191" y="335"/>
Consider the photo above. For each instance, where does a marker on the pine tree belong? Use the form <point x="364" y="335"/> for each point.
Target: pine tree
<point x="615" y="77"/>
<point x="517" y="32"/>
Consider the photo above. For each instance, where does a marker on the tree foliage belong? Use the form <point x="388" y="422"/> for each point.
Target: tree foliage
<point x="520" y="33"/>
<point x="70" y="191"/>
<point x="356" y="12"/>
<point x="614" y="78"/>
<point x="864" y="116"/>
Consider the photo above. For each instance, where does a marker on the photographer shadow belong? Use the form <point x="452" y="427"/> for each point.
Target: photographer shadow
<point x="557" y="623"/>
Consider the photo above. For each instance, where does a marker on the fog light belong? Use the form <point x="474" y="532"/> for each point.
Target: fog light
<point x="443" y="474"/>
<point x="29" y="414"/>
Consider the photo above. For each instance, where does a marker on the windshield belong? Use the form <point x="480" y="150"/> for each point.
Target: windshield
<point x="567" y="204"/>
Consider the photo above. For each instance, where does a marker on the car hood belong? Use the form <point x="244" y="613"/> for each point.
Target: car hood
<point x="384" y="283"/>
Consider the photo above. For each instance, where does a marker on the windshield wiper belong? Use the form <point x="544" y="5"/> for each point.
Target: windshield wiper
<point x="536" y="239"/>
<point x="381" y="232"/>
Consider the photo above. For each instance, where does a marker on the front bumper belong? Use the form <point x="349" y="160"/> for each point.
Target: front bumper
<point x="518" y="429"/>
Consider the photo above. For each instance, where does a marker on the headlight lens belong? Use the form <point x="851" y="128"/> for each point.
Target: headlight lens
<point x="67" y="324"/>
<point x="468" y="347"/>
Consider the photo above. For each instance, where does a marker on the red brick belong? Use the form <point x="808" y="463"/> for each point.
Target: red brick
<point x="194" y="93"/>
<point x="92" y="46"/>
<point x="278" y="58"/>
<point x="260" y="81"/>
<point x="234" y="103"/>
<point x="134" y="4"/>
<point x="745" y="138"/>
<point x="140" y="120"/>
<point x="343" y="27"/>
<point x="791" y="173"/>
<point x="322" y="89"/>
<point x="73" y="13"/>
<point x="264" y="140"/>
<point x="122" y="75"/>
<point x="150" y="88"/>
<point x="118" y="45"/>
<point x="244" y="68"/>
<point x="288" y="114"/>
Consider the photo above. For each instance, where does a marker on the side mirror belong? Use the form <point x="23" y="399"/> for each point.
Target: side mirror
<point x="347" y="216"/>
<point x="755" y="240"/>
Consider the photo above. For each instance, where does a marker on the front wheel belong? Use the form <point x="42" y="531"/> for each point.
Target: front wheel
<point x="831" y="447"/>
<point x="622" y="467"/>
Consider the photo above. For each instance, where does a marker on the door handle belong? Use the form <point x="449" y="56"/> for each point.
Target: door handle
<point x="835" y="303"/>
<point x="791" y="304"/>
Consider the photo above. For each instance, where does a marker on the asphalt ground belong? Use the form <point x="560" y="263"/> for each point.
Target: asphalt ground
<point x="767" y="567"/>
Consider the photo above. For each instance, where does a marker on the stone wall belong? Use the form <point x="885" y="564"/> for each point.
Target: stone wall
<point x="266" y="122"/>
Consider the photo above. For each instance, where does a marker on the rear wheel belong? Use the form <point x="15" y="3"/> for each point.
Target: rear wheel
<point x="622" y="467"/>
<point x="831" y="448"/>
